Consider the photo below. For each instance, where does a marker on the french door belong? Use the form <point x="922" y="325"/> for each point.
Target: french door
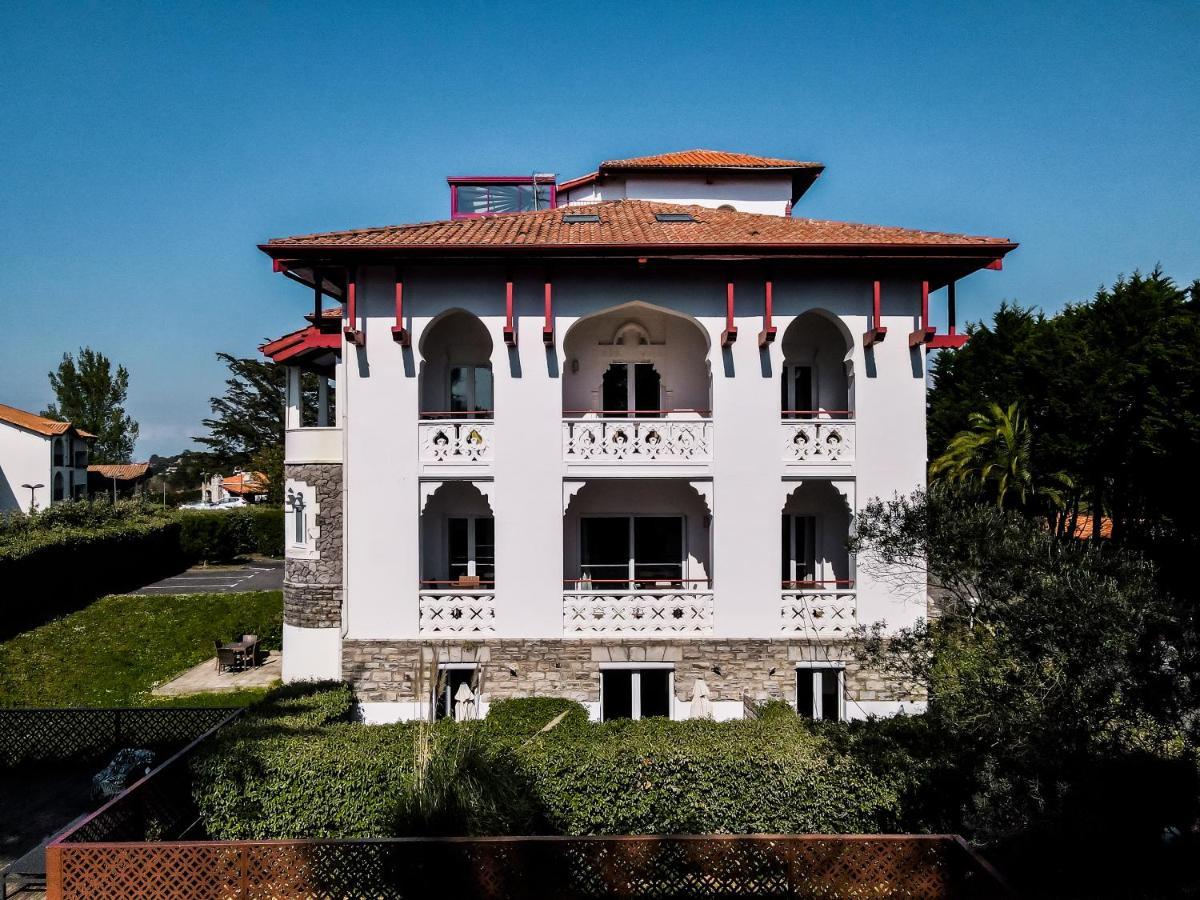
<point x="798" y="399"/>
<point x="631" y="389"/>
<point x="799" y="548"/>
<point x="636" y="552"/>
<point x="471" y="548"/>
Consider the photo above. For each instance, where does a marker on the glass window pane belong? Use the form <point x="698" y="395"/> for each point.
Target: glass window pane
<point x="483" y="389"/>
<point x="485" y="549"/>
<point x="617" y="694"/>
<point x="460" y="389"/>
<point x="457" y="548"/>
<point x="804" y="692"/>
<point x="658" y="548"/>
<point x="605" y="551"/>
<point x="803" y="390"/>
<point x="471" y="199"/>
<point x="543" y="196"/>
<point x="615" y="388"/>
<point x="786" y="550"/>
<point x="656" y="693"/>
<point x="645" y="388"/>
<point x="505" y="198"/>
<point x="829" y="695"/>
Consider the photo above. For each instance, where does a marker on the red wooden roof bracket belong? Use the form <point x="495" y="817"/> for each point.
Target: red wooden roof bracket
<point x="399" y="333"/>
<point x="925" y="333"/>
<point x="548" y="327"/>
<point x="767" y="335"/>
<point x="353" y="334"/>
<point x="876" y="333"/>
<point x="952" y="340"/>
<point x="510" y="333"/>
<point x="729" y="335"/>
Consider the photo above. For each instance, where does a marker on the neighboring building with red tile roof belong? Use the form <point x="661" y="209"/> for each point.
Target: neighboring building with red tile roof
<point x="625" y="434"/>
<point x="42" y="461"/>
<point x="117" y="479"/>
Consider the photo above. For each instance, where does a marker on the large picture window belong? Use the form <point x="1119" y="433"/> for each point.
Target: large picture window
<point x="635" y="693"/>
<point x="489" y="199"/>
<point x="471" y="390"/>
<point x="638" y="552"/>
<point x="471" y="547"/>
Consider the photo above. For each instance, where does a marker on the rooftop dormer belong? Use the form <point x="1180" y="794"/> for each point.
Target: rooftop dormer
<point x="472" y="196"/>
<point x="712" y="178"/>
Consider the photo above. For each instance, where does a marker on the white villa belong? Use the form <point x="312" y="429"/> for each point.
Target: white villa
<point x="606" y="439"/>
<point x="42" y="461"/>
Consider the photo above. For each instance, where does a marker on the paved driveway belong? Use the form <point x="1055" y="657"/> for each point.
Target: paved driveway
<point x="257" y="575"/>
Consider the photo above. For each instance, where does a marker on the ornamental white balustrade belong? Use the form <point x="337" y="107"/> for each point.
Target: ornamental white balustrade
<point x="818" y="613"/>
<point x="637" y="441"/>
<point x="456" y="442"/>
<point x="637" y="612"/>
<point x="817" y="441"/>
<point x="457" y="612"/>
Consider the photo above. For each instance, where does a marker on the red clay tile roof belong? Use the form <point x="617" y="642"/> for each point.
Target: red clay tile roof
<point x="707" y="159"/>
<point x="631" y="224"/>
<point x="307" y="341"/>
<point x="245" y="483"/>
<point x="121" y="472"/>
<point x="40" y="424"/>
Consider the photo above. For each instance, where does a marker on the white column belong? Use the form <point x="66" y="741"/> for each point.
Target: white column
<point x="294" y="395"/>
<point x="322" y="401"/>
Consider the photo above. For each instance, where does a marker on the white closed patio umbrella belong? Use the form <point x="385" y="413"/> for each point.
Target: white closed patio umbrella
<point x="701" y="707"/>
<point x="464" y="703"/>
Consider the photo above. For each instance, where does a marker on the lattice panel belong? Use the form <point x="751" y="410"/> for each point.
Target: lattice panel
<point x="818" y="442"/>
<point x="457" y="613"/>
<point x="638" y="612"/>
<point x="637" y="440"/>
<point x="151" y="872"/>
<point x="456" y="442"/>
<point x="819" y="614"/>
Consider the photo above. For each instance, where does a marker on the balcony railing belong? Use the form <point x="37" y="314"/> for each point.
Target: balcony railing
<point x="619" y="606"/>
<point x="652" y="437"/>
<point x="456" y="610"/>
<point x="456" y="439"/>
<point x="818" y="609"/>
<point x="814" y="437"/>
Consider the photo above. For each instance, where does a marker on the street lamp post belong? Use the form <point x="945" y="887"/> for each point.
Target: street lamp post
<point x="33" y="488"/>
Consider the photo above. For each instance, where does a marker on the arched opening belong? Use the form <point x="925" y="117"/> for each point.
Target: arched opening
<point x="636" y="361"/>
<point x="817" y="380"/>
<point x="456" y="375"/>
<point x="458" y="539"/>
<point x="815" y="535"/>
<point x="58" y="451"/>
<point x="58" y="485"/>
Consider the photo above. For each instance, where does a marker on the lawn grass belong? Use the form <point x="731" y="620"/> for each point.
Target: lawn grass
<point x="115" y="651"/>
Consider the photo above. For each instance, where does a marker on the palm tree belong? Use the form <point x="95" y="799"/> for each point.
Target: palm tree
<point x="997" y="450"/>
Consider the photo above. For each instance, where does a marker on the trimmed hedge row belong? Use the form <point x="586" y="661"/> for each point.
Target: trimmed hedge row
<point x="222" y="535"/>
<point x="297" y="768"/>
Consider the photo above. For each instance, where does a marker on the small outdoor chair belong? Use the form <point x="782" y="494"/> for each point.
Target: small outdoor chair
<point x="249" y="644"/>
<point x="228" y="658"/>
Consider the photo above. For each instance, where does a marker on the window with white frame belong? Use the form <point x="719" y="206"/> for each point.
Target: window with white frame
<point x="471" y="549"/>
<point x="631" y="389"/>
<point x="820" y="692"/>
<point x="798" y="397"/>
<point x="471" y="390"/>
<point x="300" y="520"/>
<point x="636" y="692"/>
<point x="635" y="552"/>
<point x="799" y="552"/>
<point x="451" y="700"/>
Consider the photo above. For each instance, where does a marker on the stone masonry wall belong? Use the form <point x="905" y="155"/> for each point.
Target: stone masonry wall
<point x="312" y="588"/>
<point x="756" y="669"/>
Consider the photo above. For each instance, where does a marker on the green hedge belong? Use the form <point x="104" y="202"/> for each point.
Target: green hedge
<point x="222" y="535"/>
<point x="298" y="769"/>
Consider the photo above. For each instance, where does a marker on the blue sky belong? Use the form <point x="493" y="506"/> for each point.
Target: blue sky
<point x="148" y="147"/>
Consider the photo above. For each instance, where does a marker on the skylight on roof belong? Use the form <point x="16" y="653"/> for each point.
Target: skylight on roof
<point x="578" y="218"/>
<point x="674" y="217"/>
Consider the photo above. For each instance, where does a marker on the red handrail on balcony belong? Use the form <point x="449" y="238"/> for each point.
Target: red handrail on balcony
<point x="445" y="414"/>
<point x="817" y="412"/>
<point x="459" y="584"/>
<point x="634" y="412"/>
<point x="817" y="585"/>
<point x="656" y="582"/>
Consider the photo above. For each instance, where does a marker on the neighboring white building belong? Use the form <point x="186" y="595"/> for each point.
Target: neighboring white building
<point x="42" y="461"/>
<point x="610" y="449"/>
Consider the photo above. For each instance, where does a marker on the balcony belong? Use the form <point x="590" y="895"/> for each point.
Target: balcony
<point x="685" y="608"/>
<point x="818" y="610"/>
<point x="313" y="445"/>
<point x="817" y="441"/>
<point x="680" y="439"/>
<point x="452" y="608"/>
<point x="454" y="442"/>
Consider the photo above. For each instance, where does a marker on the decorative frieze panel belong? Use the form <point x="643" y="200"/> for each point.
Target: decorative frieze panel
<point x="637" y="612"/>
<point x="637" y="440"/>
<point x="456" y="441"/>
<point x="815" y="442"/>
<point x="818" y="613"/>
<point x="458" y="612"/>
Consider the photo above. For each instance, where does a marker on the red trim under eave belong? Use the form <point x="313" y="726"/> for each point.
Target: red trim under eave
<point x="300" y="343"/>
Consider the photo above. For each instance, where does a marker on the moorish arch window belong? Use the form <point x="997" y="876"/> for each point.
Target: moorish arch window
<point x="816" y="381"/>
<point x="456" y="375"/>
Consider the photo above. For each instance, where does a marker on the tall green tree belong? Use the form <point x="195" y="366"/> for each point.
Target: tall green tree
<point x="248" y="418"/>
<point x="91" y="396"/>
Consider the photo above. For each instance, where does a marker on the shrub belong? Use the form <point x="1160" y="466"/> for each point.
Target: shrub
<point x="267" y="529"/>
<point x="222" y="535"/>
<point x="523" y="717"/>
<point x="775" y="709"/>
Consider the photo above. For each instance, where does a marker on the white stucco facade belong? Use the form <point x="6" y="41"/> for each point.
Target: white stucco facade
<point x="28" y="457"/>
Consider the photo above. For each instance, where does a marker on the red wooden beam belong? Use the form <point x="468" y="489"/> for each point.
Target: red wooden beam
<point x="925" y="333"/>
<point x="767" y="335"/>
<point x="995" y="265"/>
<point x="510" y="332"/>
<point x="952" y="340"/>
<point x="548" y="327"/>
<point x="316" y="296"/>
<point x="729" y="335"/>
<point x="399" y="333"/>
<point x="876" y="332"/>
<point x="353" y="334"/>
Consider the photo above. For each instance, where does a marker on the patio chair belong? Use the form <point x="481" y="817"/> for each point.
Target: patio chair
<point x="249" y="644"/>
<point x="228" y="658"/>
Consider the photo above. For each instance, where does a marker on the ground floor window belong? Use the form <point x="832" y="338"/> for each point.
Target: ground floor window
<point x="450" y="702"/>
<point x="635" y="693"/>
<point x="471" y="543"/>
<point x="636" y="552"/>
<point x="820" y="692"/>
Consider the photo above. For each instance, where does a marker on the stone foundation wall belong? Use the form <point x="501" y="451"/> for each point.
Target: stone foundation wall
<point x="387" y="671"/>
<point x="312" y="588"/>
